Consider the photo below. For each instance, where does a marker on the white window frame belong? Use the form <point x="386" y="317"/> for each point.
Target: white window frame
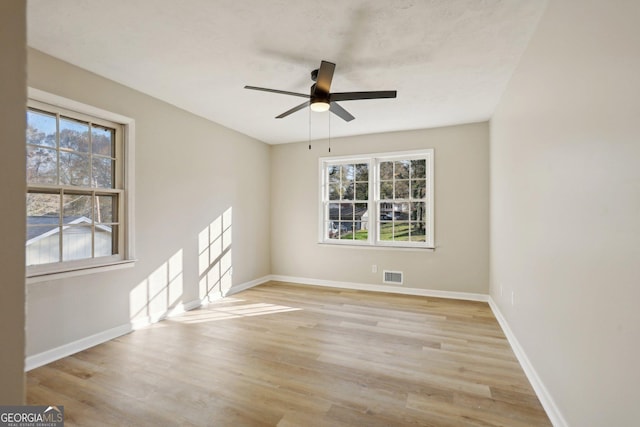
<point x="46" y="101"/>
<point x="374" y="160"/>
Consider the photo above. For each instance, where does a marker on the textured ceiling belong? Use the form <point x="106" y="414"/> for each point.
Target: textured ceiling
<point x="449" y="60"/>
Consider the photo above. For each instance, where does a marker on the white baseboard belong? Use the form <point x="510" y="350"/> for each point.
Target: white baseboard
<point x="383" y="288"/>
<point x="65" y="350"/>
<point x="188" y="306"/>
<point x="549" y="405"/>
<point x="234" y="290"/>
<point x="244" y="286"/>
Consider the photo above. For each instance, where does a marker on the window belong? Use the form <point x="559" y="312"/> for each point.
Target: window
<point x="378" y="200"/>
<point x="76" y="204"/>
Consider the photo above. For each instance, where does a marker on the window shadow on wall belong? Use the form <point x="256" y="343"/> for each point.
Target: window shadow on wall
<point x="215" y="258"/>
<point x="158" y="294"/>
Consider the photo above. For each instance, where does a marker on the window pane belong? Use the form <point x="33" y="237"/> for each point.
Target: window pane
<point x="348" y="173"/>
<point x="386" y="211"/>
<point x="43" y="228"/>
<point x="361" y="233"/>
<point x="418" y="168"/>
<point x="346" y="211"/>
<point x="401" y="169"/>
<point x="74" y="169"/>
<point x="334" y="211"/>
<point x="348" y="192"/>
<point x="74" y="135"/>
<point x="386" y="190"/>
<point x="332" y="230"/>
<point x="44" y="206"/>
<point x="41" y="165"/>
<point x="401" y="211"/>
<point x="386" y="231"/>
<point x="105" y="242"/>
<point x="401" y="231"/>
<point x="102" y="141"/>
<point x="386" y="170"/>
<point x="334" y="191"/>
<point x="346" y="230"/>
<point x="418" y="188"/>
<point x="102" y="173"/>
<point x="76" y="209"/>
<point x="418" y="233"/>
<point x="361" y="223"/>
<point x="402" y="190"/>
<point x="41" y="128"/>
<point x="106" y="208"/>
<point x="76" y="242"/>
<point x="362" y="172"/>
<point x="418" y="211"/>
<point x="363" y="210"/>
<point x="43" y="244"/>
<point x="362" y="191"/>
<point x="334" y="173"/>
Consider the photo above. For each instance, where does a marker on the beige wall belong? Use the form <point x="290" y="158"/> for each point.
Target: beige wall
<point x="188" y="172"/>
<point x="565" y="208"/>
<point x="12" y="209"/>
<point x="460" y="261"/>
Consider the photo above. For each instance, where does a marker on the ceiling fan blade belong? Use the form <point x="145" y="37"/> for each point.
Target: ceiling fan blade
<point x="283" y="92"/>
<point x="293" y="110"/>
<point x="340" y="112"/>
<point x="325" y="75"/>
<point x="352" y="96"/>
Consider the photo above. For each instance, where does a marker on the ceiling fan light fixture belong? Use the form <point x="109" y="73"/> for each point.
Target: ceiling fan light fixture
<point x="319" y="106"/>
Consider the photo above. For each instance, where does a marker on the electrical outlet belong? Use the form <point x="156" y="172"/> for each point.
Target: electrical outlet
<point x="374" y="268"/>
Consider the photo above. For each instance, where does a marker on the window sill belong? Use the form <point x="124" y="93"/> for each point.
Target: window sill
<point x="378" y="247"/>
<point x="81" y="271"/>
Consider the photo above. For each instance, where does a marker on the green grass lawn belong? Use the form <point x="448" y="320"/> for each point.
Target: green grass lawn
<point x="386" y="233"/>
<point x="401" y="233"/>
<point x="360" y="235"/>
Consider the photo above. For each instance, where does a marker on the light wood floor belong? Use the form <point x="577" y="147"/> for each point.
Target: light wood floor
<point x="290" y="355"/>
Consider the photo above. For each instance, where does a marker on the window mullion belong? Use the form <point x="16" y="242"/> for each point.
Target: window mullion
<point x="58" y="177"/>
<point x="374" y="216"/>
<point x="61" y="225"/>
<point x="90" y="155"/>
<point x="93" y="219"/>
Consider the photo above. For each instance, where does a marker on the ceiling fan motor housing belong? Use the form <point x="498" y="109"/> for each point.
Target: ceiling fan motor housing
<point x="317" y="95"/>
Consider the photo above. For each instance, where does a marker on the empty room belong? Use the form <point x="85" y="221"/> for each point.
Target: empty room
<point x="356" y="213"/>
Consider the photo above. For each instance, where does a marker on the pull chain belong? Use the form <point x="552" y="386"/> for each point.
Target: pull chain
<point x="309" y="111"/>
<point x="329" y="131"/>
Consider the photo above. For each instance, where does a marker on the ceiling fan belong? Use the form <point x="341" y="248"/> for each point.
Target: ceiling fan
<point x="320" y="96"/>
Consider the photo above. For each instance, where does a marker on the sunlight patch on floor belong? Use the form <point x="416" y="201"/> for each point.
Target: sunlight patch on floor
<point x="222" y="311"/>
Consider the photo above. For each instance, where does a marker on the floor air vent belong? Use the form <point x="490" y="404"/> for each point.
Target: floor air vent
<point x="394" y="277"/>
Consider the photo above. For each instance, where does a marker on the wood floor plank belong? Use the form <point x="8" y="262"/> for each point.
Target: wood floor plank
<point x="289" y="355"/>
